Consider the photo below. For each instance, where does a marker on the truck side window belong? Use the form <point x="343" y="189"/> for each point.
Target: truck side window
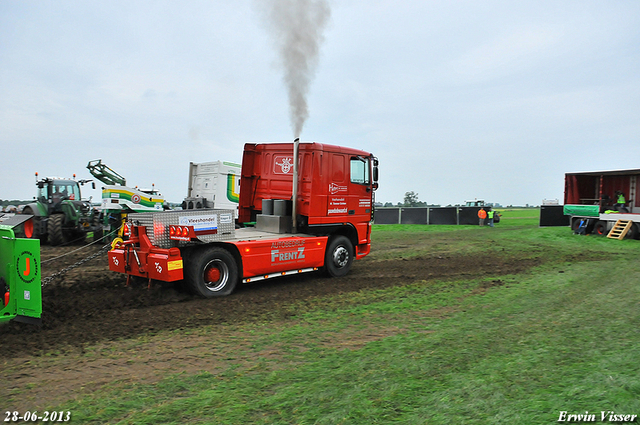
<point x="359" y="171"/>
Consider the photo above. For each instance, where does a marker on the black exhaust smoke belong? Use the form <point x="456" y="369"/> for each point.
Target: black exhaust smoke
<point x="296" y="27"/>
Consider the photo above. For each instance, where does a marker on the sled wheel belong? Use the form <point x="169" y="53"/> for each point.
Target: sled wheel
<point x="211" y="272"/>
<point x="338" y="256"/>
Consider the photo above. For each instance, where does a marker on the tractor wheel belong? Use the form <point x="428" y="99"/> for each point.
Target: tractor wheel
<point x="98" y="233"/>
<point x="54" y="229"/>
<point x="211" y="272"/>
<point x="338" y="257"/>
<point x="600" y="228"/>
<point x="36" y="225"/>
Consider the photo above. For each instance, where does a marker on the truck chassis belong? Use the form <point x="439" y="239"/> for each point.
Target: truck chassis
<point x="213" y="264"/>
<point x="603" y="224"/>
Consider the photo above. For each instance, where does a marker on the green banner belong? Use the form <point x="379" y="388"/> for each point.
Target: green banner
<point x="582" y="210"/>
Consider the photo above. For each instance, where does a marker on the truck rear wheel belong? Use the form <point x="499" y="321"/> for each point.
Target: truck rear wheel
<point x="600" y="228"/>
<point x="211" y="272"/>
<point x="339" y="256"/>
<point x="54" y="229"/>
<point x="634" y="232"/>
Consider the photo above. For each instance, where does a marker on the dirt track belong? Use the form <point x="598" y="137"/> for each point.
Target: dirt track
<point x="92" y="304"/>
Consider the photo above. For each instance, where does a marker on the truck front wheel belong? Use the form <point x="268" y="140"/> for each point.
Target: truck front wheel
<point x="339" y="256"/>
<point x="211" y="272"/>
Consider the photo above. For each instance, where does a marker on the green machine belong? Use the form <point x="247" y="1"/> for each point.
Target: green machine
<point x="61" y="216"/>
<point x="20" y="283"/>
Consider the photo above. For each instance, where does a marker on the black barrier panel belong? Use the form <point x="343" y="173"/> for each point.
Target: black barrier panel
<point x="386" y="216"/>
<point x="469" y="215"/>
<point x="414" y="215"/>
<point x="445" y="215"/>
<point x="551" y="215"/>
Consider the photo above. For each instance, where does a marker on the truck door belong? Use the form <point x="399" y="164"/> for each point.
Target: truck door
<point x="359" y="203"/>
<point x="350" y="188"/>
<point x="338" y="195"/>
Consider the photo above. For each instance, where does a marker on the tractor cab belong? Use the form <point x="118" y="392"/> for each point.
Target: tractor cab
<point x="61" y="216"/>
<point x="475" y="203"/>
<point x="53" y="191"/>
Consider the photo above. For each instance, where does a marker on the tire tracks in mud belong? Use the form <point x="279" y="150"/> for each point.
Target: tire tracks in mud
<point x="93" y="305"/>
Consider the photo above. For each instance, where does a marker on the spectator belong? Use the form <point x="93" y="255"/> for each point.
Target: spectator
<point x="482" y="215"/>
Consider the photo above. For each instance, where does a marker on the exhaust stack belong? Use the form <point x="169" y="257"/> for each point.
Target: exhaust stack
<point x="294" y="195"/>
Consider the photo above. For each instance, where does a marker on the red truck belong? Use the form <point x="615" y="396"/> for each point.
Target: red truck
<point x="327" y="227"/>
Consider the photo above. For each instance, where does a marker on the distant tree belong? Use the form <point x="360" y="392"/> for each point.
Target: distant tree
<point x="388" y="204"/>
<point x="411" y="200"/>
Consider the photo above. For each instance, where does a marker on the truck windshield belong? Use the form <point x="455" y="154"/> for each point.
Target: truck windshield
<point x="359" y="170"/>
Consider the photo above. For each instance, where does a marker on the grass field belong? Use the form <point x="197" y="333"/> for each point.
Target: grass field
<point x="504" y="348"/>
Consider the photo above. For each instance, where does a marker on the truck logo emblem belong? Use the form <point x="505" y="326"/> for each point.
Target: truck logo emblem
<point x="286" y="164"/>
<point x="115" y="261"/>
<point x="276" y="255"/>
<point x="334" y="188"/>
<point x="135" y="198"/>
<point x="158" y="268"/>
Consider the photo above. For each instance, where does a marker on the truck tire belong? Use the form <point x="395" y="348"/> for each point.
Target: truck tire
<point x="589" y="224"/>
<point x="211" y="272"/>
<point x="634" y="232"/>
<point x="339" y="256"/>
<point x="600" y="228"/>
<point x="575" y="224"/>
<point x="54" y="229"/>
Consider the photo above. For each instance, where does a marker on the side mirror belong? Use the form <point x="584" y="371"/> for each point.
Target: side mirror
<point x="93" y="185"/>
<point x="375" y="173"/>
<point x="40" y="185"/>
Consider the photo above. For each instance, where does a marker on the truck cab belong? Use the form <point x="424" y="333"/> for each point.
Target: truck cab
<point x="336" y="187"/>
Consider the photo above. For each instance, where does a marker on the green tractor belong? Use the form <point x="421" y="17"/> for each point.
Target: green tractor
<point x="60" y="214"/>
<point x="20" y="284"/>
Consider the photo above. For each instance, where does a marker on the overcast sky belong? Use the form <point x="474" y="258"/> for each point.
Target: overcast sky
<point x="458" y="99"/>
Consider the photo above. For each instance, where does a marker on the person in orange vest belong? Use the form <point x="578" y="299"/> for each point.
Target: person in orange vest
<point x="482" y="215"/>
